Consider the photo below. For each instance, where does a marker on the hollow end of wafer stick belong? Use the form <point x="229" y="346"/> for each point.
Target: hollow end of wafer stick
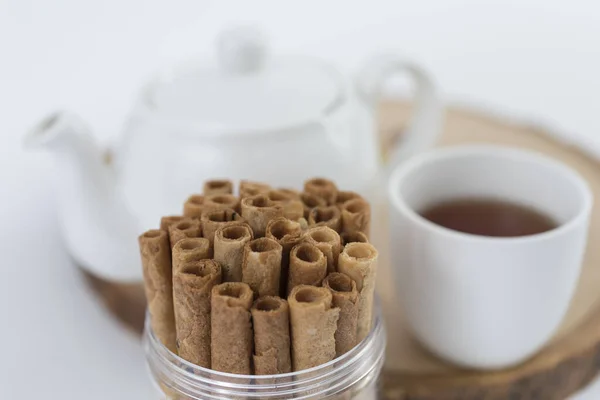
<point x="190" y="249"/>
<point x="308" y="265"/>
<point x="268" y="304"/>
<point x="290" y="193"/>
<point x="307" y="252"/>
<point x="219" y="201"/>
<point x="281" y="195"/>
<point x="310" y="295"/>
<point x="323" y="188"/>
<point x="258" y="201"/>
<point x="323" y="234"/>
<point x="345" y="195"/>
<point x="196" y="199"/>
<point x="319" y="183"/>
<point x="354" y="237"/>
<point x="326" y="215"/>
<point x="311" y="200"/>
<point x="258" y="211"/>
<point x="328" y="241"/>
<point x="169" y="220"/>
<point x="282" y="228"/>
<point x="189" y="244"/>
<point x="193" y="206"/>
<point x="237" y="294"/>
<point x="235" y="233"/>
<point x="356" y="206"/>
<point x="293" y="208"/>
<point x="214" y="219"/>
<point x="360" y="251"/>
<point x="221" y="215"/>
<point x="358" y="260"/>
<point x="201" y="268"/>
<point x="218" y="186"/>
<point x="356" y="216"/>
<point x="153" y="233"/>
<point x="182" y="225"/>
<point x="186" y="227"/>
<point x="262" y="245"/>
<point x="339" y="282"/>
<point x="249" y="188"/>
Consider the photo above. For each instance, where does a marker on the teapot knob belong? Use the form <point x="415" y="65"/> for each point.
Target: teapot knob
<point x="241" y="50"/>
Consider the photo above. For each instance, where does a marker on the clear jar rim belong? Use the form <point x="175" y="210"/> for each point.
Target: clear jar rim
<point x="326" y="379"/>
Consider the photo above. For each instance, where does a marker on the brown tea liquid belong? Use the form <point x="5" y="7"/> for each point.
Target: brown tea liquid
<point x="488" y="217"/>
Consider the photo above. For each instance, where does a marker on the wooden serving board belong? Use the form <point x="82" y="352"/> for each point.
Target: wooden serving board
<point x="568" y="362"/>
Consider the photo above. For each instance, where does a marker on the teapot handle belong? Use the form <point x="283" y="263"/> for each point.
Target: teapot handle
<point x="425" y="124"/>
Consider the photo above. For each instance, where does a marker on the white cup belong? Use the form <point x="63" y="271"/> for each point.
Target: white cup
<point x="478" y="301"/>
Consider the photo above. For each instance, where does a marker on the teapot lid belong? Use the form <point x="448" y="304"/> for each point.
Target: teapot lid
<point x="248" y="91"/>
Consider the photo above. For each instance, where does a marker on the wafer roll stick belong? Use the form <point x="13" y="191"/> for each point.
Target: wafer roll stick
<point x="186" y="228"/>
<point x="288" y="234"/>
<point x="248" y="188"/>
<point x="354" y="237"/>
<point x="217" y="186"/>
<point x="356" y="216"/>
<point x="261" y="268"/>
<point x="303" y="224"/>
<point x="293" y="208"/>
<point x="229" y="250"/>
<point x="291" y="193"/>
<point x="313" y="323"/>
<point x="345" y="297"/>
<point x="323" y="188"/>
<point x="190" y="249"/>
<point x="271" y="322"/>
<point x="345" y="195"/>
<point x="308" y="266"/>
<point x="194" y="206"/>
<point x="231" y="328"/>
<point x="156" y="263"/>
<point x="192" y="286"/>
<point x="258" y="211"/>
<point x="329" y="216"/>
<point x="220" y="201"/>
<point x="359" y="262"/>
<point x="311" y="201"/>
<point x="167" y="221"/>
<point x="215" y="219"/>
<point x="328" y="241"/>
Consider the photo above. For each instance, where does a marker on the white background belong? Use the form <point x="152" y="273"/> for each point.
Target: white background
<point x="534" y="58"/>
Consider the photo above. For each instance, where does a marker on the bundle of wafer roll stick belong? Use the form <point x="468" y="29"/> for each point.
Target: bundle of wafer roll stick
<point x="267" y="282"/>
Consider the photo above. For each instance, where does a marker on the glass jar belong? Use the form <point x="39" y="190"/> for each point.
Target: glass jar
<point x="353" y="375"/>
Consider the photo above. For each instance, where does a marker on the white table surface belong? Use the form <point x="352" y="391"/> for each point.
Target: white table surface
<point x="535" y="58"/>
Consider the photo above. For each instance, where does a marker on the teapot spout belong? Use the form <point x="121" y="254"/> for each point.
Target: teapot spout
<point x="99" y="231"/>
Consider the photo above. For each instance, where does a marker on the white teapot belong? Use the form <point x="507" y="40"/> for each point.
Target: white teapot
<point x="275" y="119"/>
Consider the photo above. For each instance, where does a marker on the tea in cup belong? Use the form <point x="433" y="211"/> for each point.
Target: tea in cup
<point x="487" y="244"/>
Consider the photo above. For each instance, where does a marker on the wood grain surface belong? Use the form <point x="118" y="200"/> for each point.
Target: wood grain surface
<point x="568" y="362"/>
